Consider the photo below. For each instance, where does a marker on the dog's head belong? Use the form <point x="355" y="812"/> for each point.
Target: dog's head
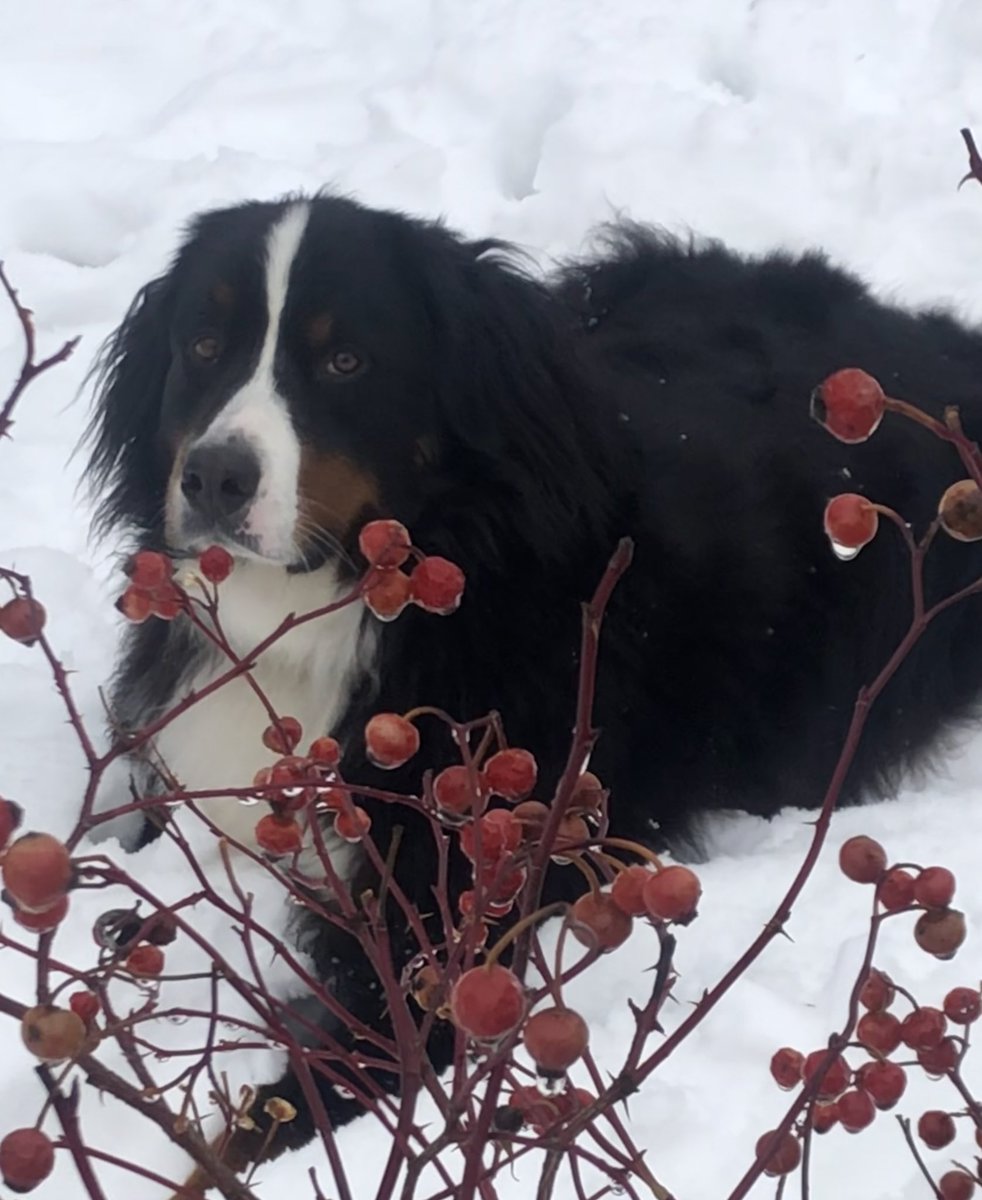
<point x="306" y="365"/>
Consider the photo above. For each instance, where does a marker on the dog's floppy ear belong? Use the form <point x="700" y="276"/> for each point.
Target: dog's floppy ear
<point x="125" y="467"/>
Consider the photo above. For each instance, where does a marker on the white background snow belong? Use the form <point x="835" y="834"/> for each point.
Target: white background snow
<point x="763" y="122"/>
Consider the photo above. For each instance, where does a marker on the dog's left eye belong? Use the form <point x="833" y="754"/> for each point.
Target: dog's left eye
<point x="342" y="364"/>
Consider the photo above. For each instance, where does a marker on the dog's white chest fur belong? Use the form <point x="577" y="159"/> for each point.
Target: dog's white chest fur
<point x="307" y="674"/>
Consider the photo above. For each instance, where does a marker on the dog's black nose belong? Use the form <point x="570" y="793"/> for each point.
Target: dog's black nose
<point x="220" y="479"/>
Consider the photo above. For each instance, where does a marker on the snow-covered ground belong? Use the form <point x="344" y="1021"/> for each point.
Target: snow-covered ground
<point x="763" y="122"/>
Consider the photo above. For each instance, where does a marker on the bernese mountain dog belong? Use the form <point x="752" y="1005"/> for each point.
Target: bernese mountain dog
<point x="307" y="365"/>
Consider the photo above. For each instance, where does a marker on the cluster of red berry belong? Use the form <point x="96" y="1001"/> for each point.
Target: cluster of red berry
<point x="152" y="591"/>
<point x="850" y="404"/>
<point x="434" y="584"/>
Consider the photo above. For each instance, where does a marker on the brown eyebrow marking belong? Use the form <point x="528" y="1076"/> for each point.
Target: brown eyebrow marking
<point x="319" y="329"/>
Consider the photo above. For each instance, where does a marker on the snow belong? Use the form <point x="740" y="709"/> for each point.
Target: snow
<point x="768" y="122"/>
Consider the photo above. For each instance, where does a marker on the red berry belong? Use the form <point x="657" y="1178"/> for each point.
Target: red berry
<point x="278" y="835"/>
<point x="885" y="1082"/>
<point x="923" y="1028"/>
<point x="855" y="1110"/>
<point x="215" y="564"/>
<point x="352" y="823"/>
<point x="850" y="404"/>
<point x="956" y="1185"/>
<point x="391" y="740"/>
<point x="879" y="1031"/>
<point x="27" y="1158"/>
<point x="136" y="604"/>
<point x="167" y="602"/>
<point x="555" y="1038"/>
<point x="387" y="594"/>
<point x="962" y="1005"/>
<point x="598" y="921"/>
<point x="896" y="890"/>
<point x="785" y="1156"/>
<point x="511" y="773"/>
<point x="11" y="815"/>
<point x="939" y="1059"/>
<point x="385" y="543"/>
<point x="940" y="931"/>
<point x="936" y="1129"/>
<point x="835" y="1078"/>
<point x="960" y="510"/>
<point x="487" y="1002"/>
<point x="672" y="894"/>
<point x="627" y="891"/>
<point x="786" y="1068"/>
<point x="84" y="1005"/>
<point x="23" y="619"/>
<point x="877" y="992"/>
<point x="500" y="834"/>
<point x="145" y="960"/>
<point x="437" y="585"/>
<point x="934" y="887"/>
<point x="52" y="1034"/>
<point x="148" y="570"/>
<point x="454" y="791"/>
<point x="325" y="751"/>
<point x="851" y="522"/>
<point x="37" y="870"/>
<point x="824" y="1117"/>
<point x="283" y="737"/>
<point x="588" y="793"/>
<point x="862" y="859"/>
<point x="44" y="920"/>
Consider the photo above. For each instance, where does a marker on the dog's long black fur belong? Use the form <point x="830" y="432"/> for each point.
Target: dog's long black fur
<point x="659" y="389"/>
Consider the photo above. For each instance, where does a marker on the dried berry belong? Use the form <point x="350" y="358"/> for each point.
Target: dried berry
<point x="960" y="511"/>
<point x="52" y="1034"/>
<point x="940" y="931"/>
<point x="850" y="404"/>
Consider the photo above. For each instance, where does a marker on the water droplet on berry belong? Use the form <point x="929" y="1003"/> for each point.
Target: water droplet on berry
<point x="844" y="553"/>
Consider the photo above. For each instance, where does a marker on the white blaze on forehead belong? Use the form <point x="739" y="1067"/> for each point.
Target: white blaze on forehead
<point x="259" y="415"/>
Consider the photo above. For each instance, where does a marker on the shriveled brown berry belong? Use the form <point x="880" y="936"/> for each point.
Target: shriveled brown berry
<point x="940" y="931"/>
<point x="895" y="890"/>
<point x="862" y="859"/>
<point x="533" y="815"/>
<point x="885" y="1081"/>
<point x="856" y="1110"/>
<point x="555" y="1038"/>
<point x="23" y="620"/>
<point x="936" y="1129"/>
<point x="588" y="792"/>
<point x="878" y="991"/>
<point x="52" y="1034"/>
<point x="786" y="1067"/>
<point x="783" y="1158"/>
<point x="37" y="870"/>
<point x="960" y="510"/>
<point x="279" y="1110"/>
<point x="963" y="1005"/>
<point x="672" y="894"/>
<point x="27" y="1158"/>
<point x="571" y="837"/>
<point x="934" y="887"/>
<point x="598" y="921"/>
<point x="879" y="1031"/>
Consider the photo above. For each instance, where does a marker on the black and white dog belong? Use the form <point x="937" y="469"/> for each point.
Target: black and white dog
<point x="306" y="365"/>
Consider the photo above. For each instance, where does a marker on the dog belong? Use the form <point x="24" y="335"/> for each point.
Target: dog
<point x="307" y="365"/>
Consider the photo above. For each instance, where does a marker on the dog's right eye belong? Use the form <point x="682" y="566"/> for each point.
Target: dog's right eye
<point x="206" y="348"/>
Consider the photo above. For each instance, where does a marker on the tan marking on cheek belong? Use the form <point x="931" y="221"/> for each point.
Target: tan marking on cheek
<point x="334" y="493"/>
<point x="319" y="329"/>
